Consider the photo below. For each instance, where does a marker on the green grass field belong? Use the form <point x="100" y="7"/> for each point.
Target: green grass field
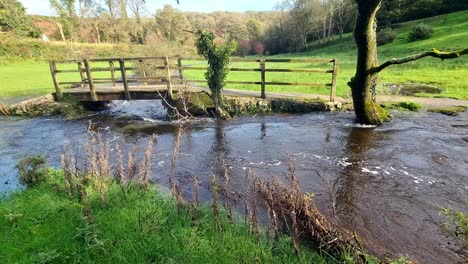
<point x="43" y="225"/>
<point x="450" y="33"/>
<point x="32" y="77"/>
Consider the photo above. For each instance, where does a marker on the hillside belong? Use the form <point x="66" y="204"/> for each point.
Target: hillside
<point x="450" y="33"/>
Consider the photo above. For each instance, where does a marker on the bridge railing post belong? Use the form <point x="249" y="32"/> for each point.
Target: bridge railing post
<point x="90" y="80"/>
<point x="123" y="72"/>
<point x="80" y="69"/>
<point x="333" y="84"/>
<point x="53" y="72"/>
<point x="181" y="70"/>
<point x="143" y="71"/>
<point x="168" y="77"/>
<point x="112" y="71"/>
<point x="263" y="75"/>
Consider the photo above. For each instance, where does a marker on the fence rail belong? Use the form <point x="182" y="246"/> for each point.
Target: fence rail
<point x="118" y="69"/>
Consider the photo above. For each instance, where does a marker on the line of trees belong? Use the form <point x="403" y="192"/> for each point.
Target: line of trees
<point x="290" y="28"/>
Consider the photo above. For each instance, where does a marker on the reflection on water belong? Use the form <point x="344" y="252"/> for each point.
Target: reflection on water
<point x="389" y="182"/>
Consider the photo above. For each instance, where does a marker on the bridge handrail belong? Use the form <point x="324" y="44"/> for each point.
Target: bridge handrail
<point x="86" y="72"/>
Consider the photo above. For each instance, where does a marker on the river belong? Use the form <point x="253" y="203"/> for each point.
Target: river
<point x="388" y="183"/>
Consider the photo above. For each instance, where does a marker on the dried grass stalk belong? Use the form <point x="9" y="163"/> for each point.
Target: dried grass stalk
<point x="299" y="209"/>
<point x="195" y="197"/>
<point x="175" y="155"/>
<point x="215" y="205"/>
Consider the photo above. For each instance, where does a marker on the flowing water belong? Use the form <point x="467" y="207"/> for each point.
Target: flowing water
<point x="387" y="183"/>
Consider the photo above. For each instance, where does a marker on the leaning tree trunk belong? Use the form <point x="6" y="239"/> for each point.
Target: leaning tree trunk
<point x="364" y="82"/>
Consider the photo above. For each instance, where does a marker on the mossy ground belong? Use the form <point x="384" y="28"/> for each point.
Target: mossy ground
<point x="405" y="106"/>
<point x="448" y="111"/>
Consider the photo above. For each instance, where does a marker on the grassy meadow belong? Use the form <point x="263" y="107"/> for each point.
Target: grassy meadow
<point x="44" y="225"/>
<point x="450" y="33"/>
<point x="32" y="77"/>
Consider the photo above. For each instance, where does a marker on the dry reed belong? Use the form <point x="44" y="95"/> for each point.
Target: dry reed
<point x="195" y="197"/>
<point x="4" y="110"/>
<point x="175" y="155"/>
<point x="300" y="211"/>
<point x="215" y="204"/>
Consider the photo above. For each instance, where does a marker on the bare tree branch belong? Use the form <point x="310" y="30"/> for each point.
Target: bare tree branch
<point x="433" y="53"/>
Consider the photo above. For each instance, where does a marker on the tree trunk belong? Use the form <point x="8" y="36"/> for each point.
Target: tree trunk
<point x="60" y="27"/>
<point x="98" y="35"/>
<point x="364" y="82"/>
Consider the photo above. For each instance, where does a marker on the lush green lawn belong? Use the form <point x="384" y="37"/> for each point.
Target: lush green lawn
<point x="25" y="78"/>
<point x="30" y="77"/>
<point x="43" y="225"/>
<point x="450" y="33"/>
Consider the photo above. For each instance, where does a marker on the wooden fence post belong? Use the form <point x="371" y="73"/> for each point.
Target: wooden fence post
<point x="53" y="72"/>
<point x="112" y="70"/>
<point x="262" y="67"/>
<point x="168" y="77"/>
<point x="181" y="70"/>
<point x="333" y="84"/>
<point x="142" y="65"/>
<point x="90" y="80"/>
<point x="123" y="71"/>
<point x="80" y="69"/>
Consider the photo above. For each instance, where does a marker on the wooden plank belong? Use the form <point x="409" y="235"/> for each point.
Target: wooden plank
<point x="53" y="69"/>
<point x="142" y="65"/>
<point x="194" y="68"/>
<point x="124" y="79"/>
<point x="90" y="80"/>
<point x="112" y="71"/>
<point x="299" y="84"/>
<point x="80" y="68"/>
<point x="180" y="68"/>
<point x="144" y="58"/>
<point x="239" y="82"/>
<point x="193" y="58"/>
<point x="299" y="70"/>
<point x="333" y="84"/>
<point x="298" y="60"/>
<point x="101" y="69"/>
<point x="103" y="59"/>
<point x="263" y="78"/>
<point x="168" y="78"/>
<point x="245" y="69"/>
<point x="65" y="71"/>
<point x="68" y="83"/>
<point x="244" y="60"/>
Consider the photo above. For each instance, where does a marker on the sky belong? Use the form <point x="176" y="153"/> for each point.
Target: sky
<point x="42" y="7"/>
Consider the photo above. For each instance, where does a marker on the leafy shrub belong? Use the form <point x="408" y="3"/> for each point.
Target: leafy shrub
<point x="385" y="36"/>
<point x="32" y="170"/>
<point x="421" y="31"/>
<point x="218" y="57"/>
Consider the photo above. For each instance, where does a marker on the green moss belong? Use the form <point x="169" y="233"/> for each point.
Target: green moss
<point x="408" y="106"/>
<point x="448" y="111"/>
<point x="376" y="115"/>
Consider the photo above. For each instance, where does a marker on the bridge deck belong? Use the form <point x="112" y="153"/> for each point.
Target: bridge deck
<point x="109" y="93"/>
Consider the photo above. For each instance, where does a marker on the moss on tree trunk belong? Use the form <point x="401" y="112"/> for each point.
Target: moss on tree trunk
<point x="364" y="82"/>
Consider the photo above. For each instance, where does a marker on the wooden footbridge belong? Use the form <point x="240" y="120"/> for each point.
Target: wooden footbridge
<point x="147" y="78"/>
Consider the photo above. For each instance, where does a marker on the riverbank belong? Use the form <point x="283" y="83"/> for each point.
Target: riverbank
<point x="43" y="224"/>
